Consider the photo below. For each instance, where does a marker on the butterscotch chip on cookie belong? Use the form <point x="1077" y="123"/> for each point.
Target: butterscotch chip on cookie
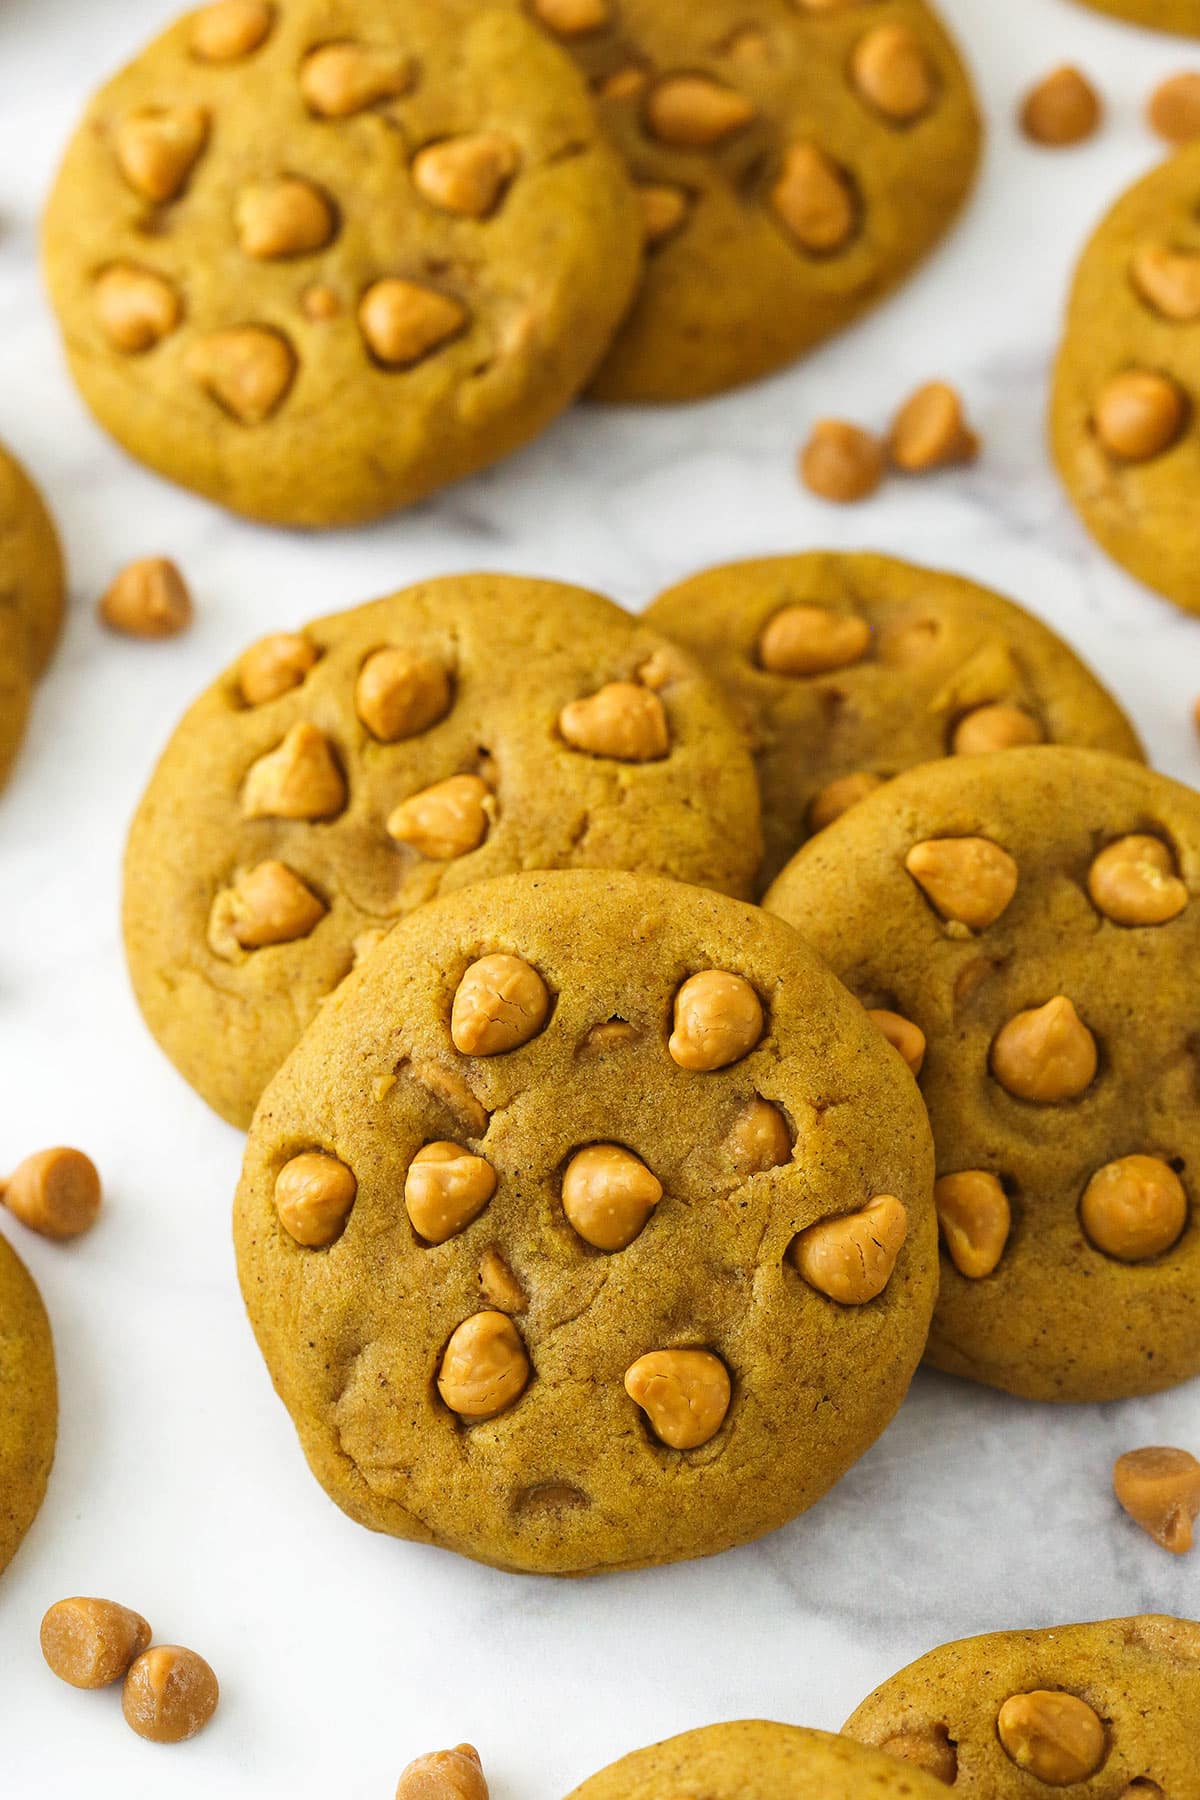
<point x="794" y="163"/>
<point x="29" y="1413"/>
<point x="31" y="599"/>
<point x="1111" y="1708"/>
<point x="1036" y="915"/>
<point x="336" y="777"/>
<point x="756" y="1760"/>
<point x="845" y="669"/>
<point x="316" y="260"/>
<point x="589" y="1301"/>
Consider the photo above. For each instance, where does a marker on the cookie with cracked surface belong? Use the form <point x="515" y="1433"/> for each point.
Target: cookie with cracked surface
<point x="753" y="1759"/>
<point x="1123" y="417"/>
<point x="588" y="1226"/>
<point x="1035" y="916"/>
<point x="336" y="777"/>
<point x="1182" y="16"/>
<point x="794" y="161"/>
<point x="316" y="260"/>
<point x="845" y="669"/>
<point x="1110" y="1711"/>
<point x="28" y="1402"/>
<point x="31" y="599"/>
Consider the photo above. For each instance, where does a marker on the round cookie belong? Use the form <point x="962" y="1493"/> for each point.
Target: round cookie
<point x="1123" y="414"/>
<point x="28" y="1402"/>
<point x="632" y="1247"/>
<point x="31" y="599"/>
<point x="1182" y="16"/>
<point x="316" y="260"/>
<point x="845" y="669"/>
<point x="1036" y="915"/>
<point x="335" y="778"/>
<point x="755" y="1760"/>
<point x="1108" y="1711"/>
<point x="795" y="160"/>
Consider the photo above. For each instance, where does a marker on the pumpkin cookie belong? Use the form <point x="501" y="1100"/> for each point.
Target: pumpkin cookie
<point x="755" y="1760"/>
<point x="28" y="1402"/>
<point x="1182" y="16"/>
<point x="1126" y="387"/>
<point x="1030" y="923"/>
<point x="588" y="1226"/>
<point x="31" y="599"/>
<point x="794" y="160"/>
<point x="1110" y="1711"/>
<point x="336" y="777"/>
<point x="843" y="670"/>
<point x="315" y="260"/>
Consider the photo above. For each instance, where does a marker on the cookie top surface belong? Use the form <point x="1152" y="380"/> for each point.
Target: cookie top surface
<point x="315" y="260"/>
<point x="1127" y="380"/>
<point x="976" y="1712"/>
<point x="1164" y="15"/>
<point x="795" y="160"/>
<point x="845" y="669"/>
<point x="28" y="1401"/>
<point x="457" y="730"/>
<point x="31" y="598"/>
<point x="1036" y="914"/>
<point x="563" y="1326"/>
<point x="753" y="1759"/>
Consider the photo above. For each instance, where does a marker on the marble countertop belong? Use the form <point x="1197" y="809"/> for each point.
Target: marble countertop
<point x="179" y="1486"/>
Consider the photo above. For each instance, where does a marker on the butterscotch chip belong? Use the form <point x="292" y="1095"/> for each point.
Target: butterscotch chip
<point x="812" y="640"/>
<point x="1159" y="1488"/>
<point x="851" y="1259"/>
<point x="148" y="599"/>
<point x="320" y="303"/>
<point x="1173" y="109"/>
<point x="1134" y="1209"/>
<point x="247" y="370"/>
<point x="444" y="1775"/>
<point x="692" y="112"/>
<point x="445" y="1189"/>
<point x="485" y="1368"/>
<point x="54" y="1192"/>
<point x="91" y="1643"/>
<point x="338" y="80"/>
<point x="445" y="821"/>
<point x="839" y="797"/>
<point x="274" y="666"/>
<point x="664" y="210"/>
<point x="1139" y="414"/>
<point x="608" y="1194"/>
<point x="466" y="175"/>
<point x="893" y="74"/>
<point x="685" y="1394"/>
<point x="621" y="720"/>
<point x="930" y="430"/>
<point x="929" y="1750"/>
<point x="718" y="1020"/>
<point x="968" y="880"/>
<point x="573" y="18"/>
<point x="907" y="1039"/>
<point x="624" y="84"/>
<point x="1169" y="281"/>
<point x="400" y="694"/>
<point x="759" y="1139"/>
<point x="136" y="308"/>
<point x="1064" y="108"/>
<point x="500" y="1285"/>
<point x="997" y="726"/>
<point x="314" y="1193"/>
<point x="814" y="199"/>
<point x="841" y="462"/>
<point x="266" y="905"/>
<point x="169" y="1695"/>
<point x="404" y="321"/>
<point x="500" y="1003"/>
<point x="283" y="217"/>
<point x="1053" y="1736"/>
<point x="230" y="29"/>
<point x="1133" y="882"/>
<point x="158" y="148"/>
<point x="300" y="779"/>
<point x="1046" y="1054"/>
<point x="975" y="1220"/>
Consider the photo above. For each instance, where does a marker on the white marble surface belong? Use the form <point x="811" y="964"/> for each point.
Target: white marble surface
<point x="178" y="1485"/>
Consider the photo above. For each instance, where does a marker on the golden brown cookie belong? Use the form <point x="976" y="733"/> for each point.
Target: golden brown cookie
<point x="28" y="1402"/>
<point x="317" y="259"/>
<point x="336" y="777"/>
<point x="843" y="670"/>
<point x="794" y="160"/>
<point x="588" y="1226"/>
<point x="1127" y="381"/>
<point x="755" y="1760"/>
<point x="1182" y="16"/>
<point x="1108" y="1711"/>
<point x="31" y="599"/>
<point x="1036" y="916"/>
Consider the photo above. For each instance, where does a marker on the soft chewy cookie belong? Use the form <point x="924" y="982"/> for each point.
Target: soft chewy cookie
<point x="316" y="259"/>
<point x="1030" y="922"/>
<point x="31" y="599"/>
<point x="1127" y="382"/>
<point x="794" y="158"/>
<point x="28" y="1402"/>
<point x="337" y="777"/>
<point x="755" y="1760"/>
<point x="843" y="670"/>
<point x="1100" y="1712"/>
<point x="588" y="1226"/>
<point x="1163" y="15"/>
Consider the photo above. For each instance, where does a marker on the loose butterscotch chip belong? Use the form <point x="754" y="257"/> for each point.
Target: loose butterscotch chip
<point x="760" y="1139"/>
<point x="685" y="1394"/>
<point x="1046" y="1054"/>
<point x="399" y="694"/>
<point x="281" y="218"/>
<point x="444" y="1775"/>
<point x="1134" y="1209"/>
<point x="1159" y="1488"/>
<point x="1139" y="414"/>
<point x="1133" y="882"/>
<point x="1169" y="281"/>
<point x="485" y="1368"/>
<point x="314" y="1193"/>
<point x="1064" y="108"/>
<point x="608" y="1194"/>
<point x="718" y="1020"/>
<point x="1173" y="109"/>
<point x="892" y="72"/>
<point x="274" y="666"/>
<point x="500" y="1285"/>
<point x="337" y="80"/>
<point x="1055" y="1737"/>
<point x="403" y="322"/>
<point x="621" y="720"/>
<point x="91" y="1643"/>
<point x="693" y="112"/>
<point x="148" y="599"/>
<point x="663" y="210"/>
<point x="247" y="370"/>
<point x="445" y="1189"/>
<point x="851" y="1259"/>
<point x="997" y="726"/>
<point x="904" y="1037"/>
<point x="158" y="148"/>
<point x="968" y="880"/>
<point x="839" y="797"/>
<point x="812" y="640"/>
<point x="930" y="1750"/>
<point x="136" y="308"/>
<point x="841" y="462"/>
<point x="230" y="29"/>
<point x="466" y="175"/>
<point x="931" y="431"/>
<point x="267" y="905"/>
<point x="300" y="779"/>
<point x="975" y="1219"/>
<point x="500" y="1003"/>
<point x="445" y="821"/>
<point x="170" y="1694"/>
<point x="815" y="199"/>
<point x="54" y="1192"/>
